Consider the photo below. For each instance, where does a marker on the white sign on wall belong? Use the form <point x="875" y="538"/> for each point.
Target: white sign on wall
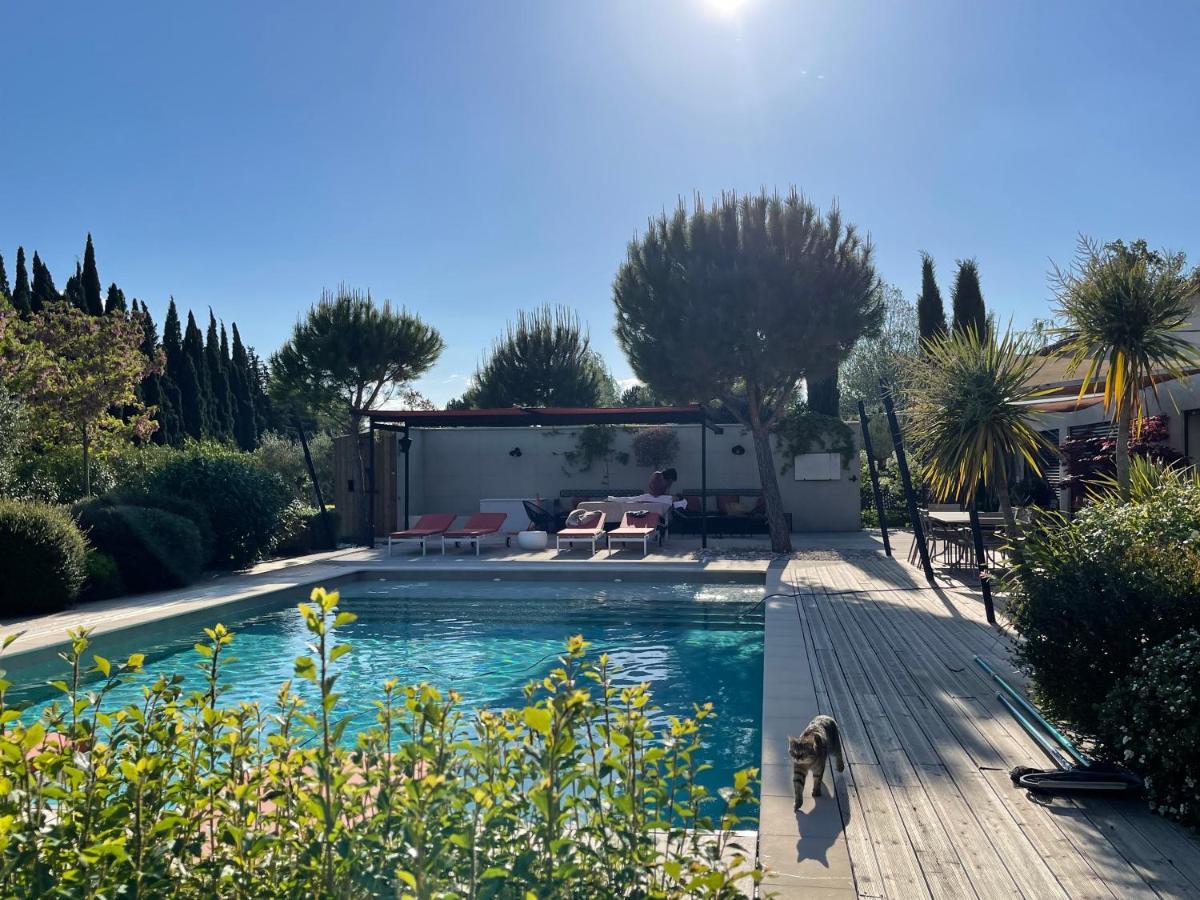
<point x="819" y="467"/>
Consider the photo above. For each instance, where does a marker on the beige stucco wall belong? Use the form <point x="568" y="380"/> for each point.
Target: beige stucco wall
<point x="451" y="470"/>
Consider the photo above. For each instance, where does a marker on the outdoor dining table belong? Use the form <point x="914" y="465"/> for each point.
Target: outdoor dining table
<point x="959" y="517"/>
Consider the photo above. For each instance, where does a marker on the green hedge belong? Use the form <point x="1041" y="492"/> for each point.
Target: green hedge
<point x="304" y="531"/>
<point x="42" y="558"/>
<point x="153" y="549"/>
<point x="103" y="579"/>
<point x="244" y="503"/>
<point x="1089" y="596"/>
<point x="193" y="512"/>
<point x="573" y="794"/>
<point x="1151" y="723"/>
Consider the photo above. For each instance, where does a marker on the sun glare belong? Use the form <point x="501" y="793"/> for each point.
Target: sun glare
<point x="727" y="9"/>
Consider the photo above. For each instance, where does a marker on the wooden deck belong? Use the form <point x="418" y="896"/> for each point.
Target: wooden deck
<point x="926" y="805"/>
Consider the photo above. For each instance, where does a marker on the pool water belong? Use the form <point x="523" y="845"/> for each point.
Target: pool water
<point x="487" y="640"/>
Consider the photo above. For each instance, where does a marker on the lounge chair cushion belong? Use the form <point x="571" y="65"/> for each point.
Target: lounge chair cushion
<point x="585" y="519"/>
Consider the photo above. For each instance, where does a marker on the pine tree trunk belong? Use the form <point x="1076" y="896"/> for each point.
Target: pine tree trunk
<point x="1122" y="459"/>
<point x="781" y="538"/>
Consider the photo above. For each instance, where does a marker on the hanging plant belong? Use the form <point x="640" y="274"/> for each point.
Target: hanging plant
<point x="593" y="443"/>
<point x="655" y="447"/>
<point x="802" y="430"/>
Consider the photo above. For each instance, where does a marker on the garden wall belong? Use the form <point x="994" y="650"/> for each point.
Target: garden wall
<point x="451" y="470"/>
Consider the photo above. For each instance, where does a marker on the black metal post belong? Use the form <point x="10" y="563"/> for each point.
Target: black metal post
<point x="370" y="493"/>
<point x="866" y="433"/>
<point x="326" y="522"/>
<point x="703" y="481"/>
<point x="405" y="446"/>
<point x="985" y="577"/>
<point x="906" y="480"/>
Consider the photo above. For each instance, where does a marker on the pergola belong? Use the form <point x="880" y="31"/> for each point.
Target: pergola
<point x="401" y="420"/>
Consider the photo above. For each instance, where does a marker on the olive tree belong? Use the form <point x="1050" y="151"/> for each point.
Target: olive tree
<point x="736" y="302"/>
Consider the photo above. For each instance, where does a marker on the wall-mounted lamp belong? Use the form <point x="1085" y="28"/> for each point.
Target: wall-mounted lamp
<point x="405" y="444"/>
<point x="514" y="452"/>
<point x="738" y="450"/>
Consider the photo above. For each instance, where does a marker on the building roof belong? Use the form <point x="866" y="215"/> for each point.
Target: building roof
<point x="524" y="417"/>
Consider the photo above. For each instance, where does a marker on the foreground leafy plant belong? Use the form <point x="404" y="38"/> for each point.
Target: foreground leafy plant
<point x="182" y="795"/>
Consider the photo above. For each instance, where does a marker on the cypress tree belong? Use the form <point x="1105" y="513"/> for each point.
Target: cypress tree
<point x="155" y="390"/>
<point x="73" y="292"/>
<point x="968" y="298"/>
<point x="45" y="294"/>
<point x="22" y="296"/>
<point x="191" y="402"/>
<point x="931" y="313"/>
<point x="4" y="288"/>
<point x="193" y="352"/>
<point x="115" y="300"/>
<point x="91" y="280"/>
<point x="245" y="417"/>
<point x="173" y="342"/>
<point x="222" y="402"/>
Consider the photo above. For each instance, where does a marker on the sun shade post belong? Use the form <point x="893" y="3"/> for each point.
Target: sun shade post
<point x="985" y="578"/>
<point x="906" y="480"/>
<point x="405" y="446"/>
<point x="369" y="538"/>
<point x="326" y="522"/>
<point x="703" y="481"/>
<point x="864" y="423"/>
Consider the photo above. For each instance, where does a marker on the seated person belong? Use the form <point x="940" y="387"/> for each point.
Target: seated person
<point x="661" y="482"/>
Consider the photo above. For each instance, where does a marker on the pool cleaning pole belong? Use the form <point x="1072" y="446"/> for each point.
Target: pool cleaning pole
<point x="1029" y="708"/>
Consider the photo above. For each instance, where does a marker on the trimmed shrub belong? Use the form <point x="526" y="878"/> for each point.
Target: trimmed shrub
<point x="153" y="549"/>
<point x="1088" y="597"/>
<point x="303" y="531"/>
<point x="574" y="793"/>
<point x="243" y="502"/>
<point x="42" y="557"/>
<point x="178" y="506"/>
<point x="102" y="579"/>
<point x="1151" y="723"/>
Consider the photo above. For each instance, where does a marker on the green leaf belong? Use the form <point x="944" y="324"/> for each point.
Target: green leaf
<point x="103" y="665"/>
<point x="344" y="618"/>
<point x="538" y="719"/>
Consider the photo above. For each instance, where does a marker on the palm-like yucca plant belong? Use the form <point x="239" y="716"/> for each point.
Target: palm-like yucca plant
<point x="968" y="412"/>
<point x="1125" y="308"/>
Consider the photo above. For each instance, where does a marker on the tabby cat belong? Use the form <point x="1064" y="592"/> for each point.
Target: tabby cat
<point x="811" y="751"/>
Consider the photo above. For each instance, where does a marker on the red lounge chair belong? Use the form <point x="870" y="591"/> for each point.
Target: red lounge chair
<point x="635" y="529"/>
<point x="478" y="526"/>
<point x="575" y="535"/>
<point x="429" y="525"/>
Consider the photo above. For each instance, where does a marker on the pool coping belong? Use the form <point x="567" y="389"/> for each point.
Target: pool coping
<point x="788" y="699"/>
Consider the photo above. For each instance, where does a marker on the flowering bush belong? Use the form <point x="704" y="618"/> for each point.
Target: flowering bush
<point x="655" y="447"/>
<point x="1152" y="724"/>
<point x="182" y="794"/>
<point x="1089" y="596"/>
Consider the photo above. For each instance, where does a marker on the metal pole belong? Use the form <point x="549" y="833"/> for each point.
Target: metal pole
<point x="981" y="564"/>
<point x="370" y="536"/>
<point x="866" y="433"/>
<point x="703" y="480"/>
<point x="405" y="446"/>
<point x="312" y="474"/>
<point x="906" y="480"/>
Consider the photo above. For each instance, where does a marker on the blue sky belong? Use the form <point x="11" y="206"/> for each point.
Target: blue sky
<point x="470" y="159"/>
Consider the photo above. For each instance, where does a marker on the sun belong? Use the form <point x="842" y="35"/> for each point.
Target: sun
<point x="727" y="9"/>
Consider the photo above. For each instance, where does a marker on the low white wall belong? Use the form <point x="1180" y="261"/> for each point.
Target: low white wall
<point x="451" y="470"/>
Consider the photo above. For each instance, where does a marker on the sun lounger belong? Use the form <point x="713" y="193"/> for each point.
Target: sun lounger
<point x="581" y="534"/>
<point x="635" y="529"/>
<point x="429" y="525"/>
<point x="478" y="527"/>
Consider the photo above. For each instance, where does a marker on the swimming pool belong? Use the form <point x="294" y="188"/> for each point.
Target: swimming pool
<point x="487" y="639"/>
